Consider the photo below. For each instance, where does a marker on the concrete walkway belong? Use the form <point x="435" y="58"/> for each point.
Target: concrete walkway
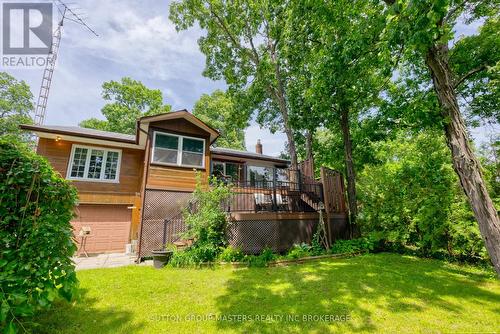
<point x="111" y="260"/>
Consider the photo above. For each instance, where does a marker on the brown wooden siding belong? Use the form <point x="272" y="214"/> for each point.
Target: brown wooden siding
<point x="177" y="178"/>
<point x="58" y="153"/>
<point x="181" y="126"/>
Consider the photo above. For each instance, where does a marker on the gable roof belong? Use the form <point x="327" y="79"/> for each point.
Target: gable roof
<point x="184" y="114"/>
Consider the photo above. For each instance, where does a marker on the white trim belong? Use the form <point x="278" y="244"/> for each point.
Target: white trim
<point x="87" y="164"/>
<point x="179" y="150"/>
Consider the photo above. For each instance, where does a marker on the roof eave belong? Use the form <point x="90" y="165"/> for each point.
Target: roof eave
<point x="75" y="134"/>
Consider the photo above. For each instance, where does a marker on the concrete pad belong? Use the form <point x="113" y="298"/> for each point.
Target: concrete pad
<point x="111" y="260"/>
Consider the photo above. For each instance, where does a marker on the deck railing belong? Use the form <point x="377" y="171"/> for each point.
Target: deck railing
<point x="274" y="196"/>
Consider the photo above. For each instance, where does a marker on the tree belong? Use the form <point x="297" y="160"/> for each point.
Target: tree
<point x="15" y="106"/>
<point x="129" y="100"/>
<point x="218" y="111"/>
<point x="242" y="45"/>
<point x="335" y="47"/>
<point x="423" y="29"/>
<point x="475" y="59"/>
<point x="411" y="197"/>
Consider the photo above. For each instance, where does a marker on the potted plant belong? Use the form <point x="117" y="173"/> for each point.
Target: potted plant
<point x="161" y="257"/>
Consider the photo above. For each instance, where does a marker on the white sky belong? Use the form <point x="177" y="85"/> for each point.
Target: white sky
<point x="136" y="39"/>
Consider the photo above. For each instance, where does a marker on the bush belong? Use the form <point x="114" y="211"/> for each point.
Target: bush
<point x="365" y="245"/>
<point x="299" y="250"/>
<point x="231" y="254"/>
<point x="36" y="240"/>
<point x="262" y="259"/>
<point x="412" y="199"/>
<point x="206" y="224"/>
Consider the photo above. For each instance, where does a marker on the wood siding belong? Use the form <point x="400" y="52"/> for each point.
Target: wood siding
<point x="176" y="178"/>
<point x="58" y="153"/>
<point x="180" y="126"/>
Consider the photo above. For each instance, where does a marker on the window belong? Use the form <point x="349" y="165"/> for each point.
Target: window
<point x="229" y="171"/>
<point x="260" y="176"/>
<point x="94" y="164"/>
<point x="177" y="150"/>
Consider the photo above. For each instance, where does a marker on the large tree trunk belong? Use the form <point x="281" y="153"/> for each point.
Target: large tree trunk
<point x="280" y="96"/>
<point x="309" y="148"/>
<point x="350" y="171"/>
<point x="465" y="163"/>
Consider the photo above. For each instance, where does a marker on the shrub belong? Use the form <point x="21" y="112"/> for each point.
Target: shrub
<point x="231" y="254"/>
<point x="299" y="250"/>
<point x="262" y="259"/>
<point x="365" y="244"/>
<point x="206" y="223"/>
<point x="412" y="199"/>
<point x="36" y="206"/>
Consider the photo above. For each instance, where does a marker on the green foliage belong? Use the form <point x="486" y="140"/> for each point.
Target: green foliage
<point x="299" y="250"/>
<point x="36" y="239"/>
<point x="243" y="43"/>
<point x="129" y="100"/>
<point x="15" y="107"/>
<point x="363" y="245"/>
<point x="218" y="111"/>
<point x="476" y="59"/>
<point x="231" y="254"/>
<point x="412" y="198"/>
<point x="262" y="260"/>
<point x="206" y="223"/>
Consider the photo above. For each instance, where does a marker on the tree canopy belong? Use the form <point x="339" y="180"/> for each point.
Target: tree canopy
<point x="242" y="43"/>
<point x="16" y="103"/>
<point x="218" y="111"/>
<point x="128" y="100"/>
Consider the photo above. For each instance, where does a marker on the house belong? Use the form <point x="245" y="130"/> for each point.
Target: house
<point x="132" y="188"/>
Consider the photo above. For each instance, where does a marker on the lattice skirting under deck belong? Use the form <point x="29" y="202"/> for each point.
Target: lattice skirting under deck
<point x="159" y="206"/>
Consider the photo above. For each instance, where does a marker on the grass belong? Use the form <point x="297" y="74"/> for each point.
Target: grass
<point x="371" y="293"/>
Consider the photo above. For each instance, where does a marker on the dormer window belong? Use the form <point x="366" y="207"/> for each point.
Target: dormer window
<point x="184" y="151"/>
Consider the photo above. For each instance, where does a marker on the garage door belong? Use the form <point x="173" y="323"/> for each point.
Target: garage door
<point x="109" y="227"/>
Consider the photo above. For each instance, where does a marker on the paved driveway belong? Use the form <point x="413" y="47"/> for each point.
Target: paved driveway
<point x="111" y="260"/>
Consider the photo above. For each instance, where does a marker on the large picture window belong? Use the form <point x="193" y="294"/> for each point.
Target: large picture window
<point x="94" y="164"/>
<point x="170" y="149"/>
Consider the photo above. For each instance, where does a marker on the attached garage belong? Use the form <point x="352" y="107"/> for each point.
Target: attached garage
<point x="109" y="227"/>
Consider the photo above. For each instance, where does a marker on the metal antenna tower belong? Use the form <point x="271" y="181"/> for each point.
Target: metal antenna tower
<point x="66" y="13"/>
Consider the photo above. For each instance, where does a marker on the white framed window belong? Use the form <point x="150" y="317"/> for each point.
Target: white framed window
<point x="96" y="164"/>
<point x="176" y="150"/>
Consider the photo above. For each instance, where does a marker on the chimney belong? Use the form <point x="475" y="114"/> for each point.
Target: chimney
<point x="258" y="147"/>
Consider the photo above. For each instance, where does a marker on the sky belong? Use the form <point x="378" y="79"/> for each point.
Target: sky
<point x="137" y="39"/>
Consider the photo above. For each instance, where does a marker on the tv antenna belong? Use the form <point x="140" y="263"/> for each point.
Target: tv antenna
<point x="66" y="13"/>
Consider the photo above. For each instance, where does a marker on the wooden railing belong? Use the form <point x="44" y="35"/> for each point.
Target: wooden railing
<point x="274" y="196"/>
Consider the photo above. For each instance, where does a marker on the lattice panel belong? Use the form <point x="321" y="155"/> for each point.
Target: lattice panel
<point x="159" y="206"/>
<point x="252" y="236"/>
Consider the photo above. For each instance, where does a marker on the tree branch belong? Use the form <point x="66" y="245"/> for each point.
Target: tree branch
<point x="468" y="75"/>
<point x="233" y="40"/>
<point x="453" y="10"/>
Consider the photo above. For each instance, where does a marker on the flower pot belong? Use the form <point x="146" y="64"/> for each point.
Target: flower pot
<point x="161" y="257"/>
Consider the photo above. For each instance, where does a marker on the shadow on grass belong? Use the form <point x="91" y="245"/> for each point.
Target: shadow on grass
<point x="362" y="288"/>
<point x="82" y="316"/>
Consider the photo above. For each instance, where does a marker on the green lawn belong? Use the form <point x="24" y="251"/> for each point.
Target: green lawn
<point x="372" y="293"/>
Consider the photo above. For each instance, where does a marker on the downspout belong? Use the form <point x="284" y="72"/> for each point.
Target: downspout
<point x="143" y="197"/>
